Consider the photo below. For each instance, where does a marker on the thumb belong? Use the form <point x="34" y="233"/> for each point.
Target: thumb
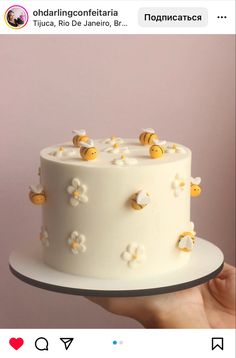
<point x="223" y="287"/>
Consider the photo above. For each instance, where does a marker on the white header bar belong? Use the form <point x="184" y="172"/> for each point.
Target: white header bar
<point x="117" y="17"/>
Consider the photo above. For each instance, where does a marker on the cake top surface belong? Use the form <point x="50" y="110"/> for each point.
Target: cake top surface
<point x="115" y="152"/>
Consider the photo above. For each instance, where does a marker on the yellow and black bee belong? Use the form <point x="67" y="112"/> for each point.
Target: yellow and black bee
<point x="80" y="136"/>
<point x="195" y="188"/>
<point x="88" y="151"/>
<point x="147" y="136"/>
<point x="140" y="200"/>
<point x="186" y="242"/>
<point x="187" y="239"/>
<point x="37" y="194"/>
<point x="157" y="150"/>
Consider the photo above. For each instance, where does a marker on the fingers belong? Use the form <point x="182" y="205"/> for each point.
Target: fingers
<point x="227" y="271"/>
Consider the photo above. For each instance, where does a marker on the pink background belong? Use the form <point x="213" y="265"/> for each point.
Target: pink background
<point x="181" y="85"/>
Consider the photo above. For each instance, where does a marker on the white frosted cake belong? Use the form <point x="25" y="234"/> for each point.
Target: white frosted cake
<point x="116" y="208"/>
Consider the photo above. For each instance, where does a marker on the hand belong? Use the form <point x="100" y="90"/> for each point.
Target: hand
<point x="211" y="305"/>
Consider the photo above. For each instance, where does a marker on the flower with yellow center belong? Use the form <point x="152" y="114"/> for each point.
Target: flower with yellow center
<point x="63" y="153"/>
<point x="116" y="149"/>
<point x="44" y="237"/>
<point x="174" y="148"/>
<point x="113" y="140"/>
<point x="77" y="192"/>
<point x="134" y="255"/>
<point x="178" y="185"/>
<point x="124" y="160"/>
<point x="76" y="242"/>
<point x="75" y="245"/>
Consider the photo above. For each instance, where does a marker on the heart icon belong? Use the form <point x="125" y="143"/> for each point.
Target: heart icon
<point x="16" y="343"/>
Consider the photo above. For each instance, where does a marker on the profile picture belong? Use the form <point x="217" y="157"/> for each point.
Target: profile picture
<point x="16" y="17"/>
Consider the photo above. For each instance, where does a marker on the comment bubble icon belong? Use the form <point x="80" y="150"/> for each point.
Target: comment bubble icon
<point x="41" y="344"/>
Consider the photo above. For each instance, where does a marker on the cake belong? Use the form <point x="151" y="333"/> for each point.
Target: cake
<point x="116" y="208"/>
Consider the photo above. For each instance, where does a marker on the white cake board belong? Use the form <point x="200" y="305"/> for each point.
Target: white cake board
<point x="205" y="263"/>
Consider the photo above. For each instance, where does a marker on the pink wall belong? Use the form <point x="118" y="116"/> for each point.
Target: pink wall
<point x="181" y="85"/>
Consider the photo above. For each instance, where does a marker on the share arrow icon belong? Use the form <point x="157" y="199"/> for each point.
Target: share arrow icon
<point x="67" y="342"/>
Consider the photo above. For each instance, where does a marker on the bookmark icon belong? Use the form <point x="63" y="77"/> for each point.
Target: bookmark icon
<point x="67" y="342"/>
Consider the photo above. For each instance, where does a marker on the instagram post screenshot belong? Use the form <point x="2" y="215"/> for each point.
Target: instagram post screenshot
<point x="117" y="179"/>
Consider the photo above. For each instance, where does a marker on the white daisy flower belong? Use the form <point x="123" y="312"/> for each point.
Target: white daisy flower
<point x="63" y="153"/>
<point x="174" y="148"/>
<point x="134" y="255"/>
<point x="113" y="140"/>
<point x="178" y="185"/>
<point x="77" y="192"/>
<point x="76" y="242"/>
<point x="44" y="237"/>
<point x="116" y="149"/>
<point x="123" y="160"/>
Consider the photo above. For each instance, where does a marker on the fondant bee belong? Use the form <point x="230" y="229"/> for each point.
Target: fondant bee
<point x="140" y="200"/>
<point x="37" y="194"/>
<point x="157" y="150"/>
<point x="195" y="188"/>
<point x="187" y="240"/>
<point x="88" y="151"/>
<point x="147" y="136"/>
<point x="80" y="136"/>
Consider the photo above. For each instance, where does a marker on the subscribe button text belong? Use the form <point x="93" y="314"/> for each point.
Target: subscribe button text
<point x="170" y="16"/>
